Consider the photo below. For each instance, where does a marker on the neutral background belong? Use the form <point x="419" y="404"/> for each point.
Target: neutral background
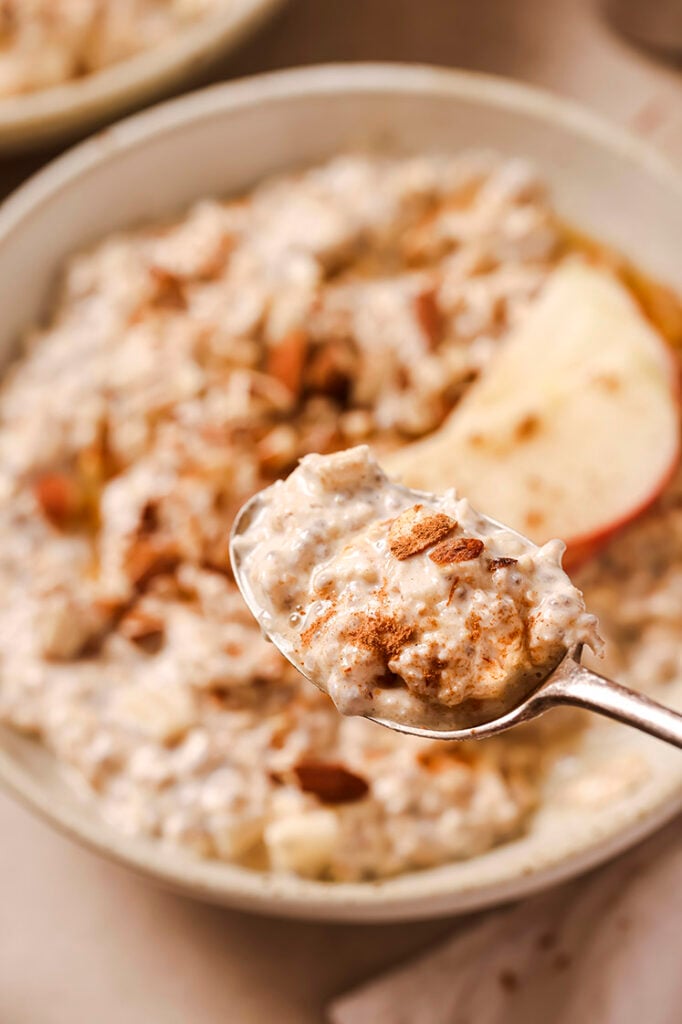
<point x="84" y="942"/>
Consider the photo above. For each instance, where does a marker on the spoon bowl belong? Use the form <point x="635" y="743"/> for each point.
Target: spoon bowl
<point x="468" y="719"/>
<point x="567" y="683"/>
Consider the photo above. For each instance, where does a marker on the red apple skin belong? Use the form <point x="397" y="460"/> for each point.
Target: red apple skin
<point x="581" y="549"/>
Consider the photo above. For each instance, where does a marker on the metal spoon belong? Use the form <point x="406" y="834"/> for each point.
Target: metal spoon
<point x="568" y="683"/>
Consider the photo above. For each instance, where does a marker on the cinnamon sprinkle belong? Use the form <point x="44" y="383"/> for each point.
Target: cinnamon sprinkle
<point x="379" y="633"/>
<point x="310" y="631"/>
<point x="473" y="625"/>
<point x="433" y="672"/>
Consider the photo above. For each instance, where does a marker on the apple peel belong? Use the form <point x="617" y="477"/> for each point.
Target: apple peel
<point x="573" y="430"/>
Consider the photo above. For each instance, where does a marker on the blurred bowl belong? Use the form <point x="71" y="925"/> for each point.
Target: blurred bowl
<point x="223" y="140"/>
<point x="39" y="118"/>
<point x="657" y="26"/>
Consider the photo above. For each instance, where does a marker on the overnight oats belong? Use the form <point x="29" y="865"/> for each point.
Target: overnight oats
<point x="44" y="43"/>
<point x="428" y="614"/>
<point x="182" y="368"/>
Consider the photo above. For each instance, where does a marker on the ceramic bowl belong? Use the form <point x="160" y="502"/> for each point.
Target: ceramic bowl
<point x="223" y="140"/>
<point x="43" y="117"/>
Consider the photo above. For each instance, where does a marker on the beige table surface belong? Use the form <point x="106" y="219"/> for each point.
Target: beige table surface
<point x="84" y="942"/>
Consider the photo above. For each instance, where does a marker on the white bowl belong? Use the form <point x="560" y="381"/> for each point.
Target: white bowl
<point x="40" y="117"/>
<point x="223" y="140"/>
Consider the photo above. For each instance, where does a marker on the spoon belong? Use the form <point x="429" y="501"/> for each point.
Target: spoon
<point x="568" y="683"/>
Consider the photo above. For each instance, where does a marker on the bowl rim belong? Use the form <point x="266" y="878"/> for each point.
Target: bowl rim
<point x="31" y="118"/>
<point x="330" y="79"/>
<point x="415" y="894"/>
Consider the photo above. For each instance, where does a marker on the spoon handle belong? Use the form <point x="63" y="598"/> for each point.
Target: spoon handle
<point x="574" y="684"/>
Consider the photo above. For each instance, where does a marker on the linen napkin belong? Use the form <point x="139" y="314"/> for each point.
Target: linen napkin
<point x="605" y="949"/>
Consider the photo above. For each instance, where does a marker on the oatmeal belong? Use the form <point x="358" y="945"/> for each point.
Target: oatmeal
<point x="186" y="366"/>
<point x="428" y="614"/>
<point x="44" y="43"/>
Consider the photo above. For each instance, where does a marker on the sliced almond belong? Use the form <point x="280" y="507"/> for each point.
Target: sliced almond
<point x="331" y="783"/>
<point x="460" y="549"/>
<point x="416" y="529"/>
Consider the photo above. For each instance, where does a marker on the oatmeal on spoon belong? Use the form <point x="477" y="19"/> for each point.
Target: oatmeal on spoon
<point x="415" y="610"/>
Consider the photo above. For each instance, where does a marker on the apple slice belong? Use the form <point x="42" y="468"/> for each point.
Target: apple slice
<point x="574" y="428"/>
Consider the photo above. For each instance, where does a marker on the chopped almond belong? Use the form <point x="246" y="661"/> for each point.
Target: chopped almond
<point x="527" y="427"/>
<point x="439" y="759"/>
<point x="168" y="290"/>
<point x="501" y="563"/>
<point x="59" y="497"/>
<point x="461" y="549"/>
<point x="286" y="360"/>
<point x="143" y="629"/>
<point x="453" y="588"/>
<point x="149" y="519"/>
<point x="429" y="316"/>
<point x="416" y="529"/>
<point x="331" y="369"/>
<point x="146" y="559"/>
<point x="331" y="783"/>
